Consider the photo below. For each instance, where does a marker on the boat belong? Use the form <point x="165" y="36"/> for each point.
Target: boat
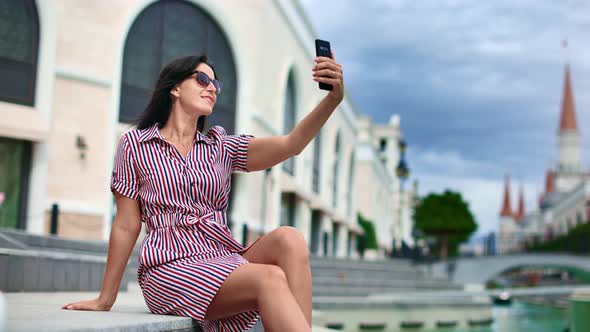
<point x="480" y="322"/>
<point x="411" y="324"/>
<point x="369" y="326"/>
<point x="446" y="323"/>
<point x="334" y="325"/>
<point x="503" y="298"/>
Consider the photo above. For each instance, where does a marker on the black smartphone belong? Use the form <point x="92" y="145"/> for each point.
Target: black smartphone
<point x="322" y="48"/>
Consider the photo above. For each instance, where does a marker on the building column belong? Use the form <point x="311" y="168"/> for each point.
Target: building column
<point x="325" y="236"/>
<point x="303" y="219"/>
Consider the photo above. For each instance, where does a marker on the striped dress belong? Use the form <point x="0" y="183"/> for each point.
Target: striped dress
<point x="188" y="251"/>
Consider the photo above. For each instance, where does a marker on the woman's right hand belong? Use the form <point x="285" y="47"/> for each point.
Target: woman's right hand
<point x="92" y="305"/>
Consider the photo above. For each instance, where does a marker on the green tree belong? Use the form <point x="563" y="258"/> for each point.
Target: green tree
<point x="447" y="217"/>
<point x="370" y="237"/>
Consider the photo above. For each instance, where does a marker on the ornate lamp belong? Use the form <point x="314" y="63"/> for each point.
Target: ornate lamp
<point x="403" y="172"/>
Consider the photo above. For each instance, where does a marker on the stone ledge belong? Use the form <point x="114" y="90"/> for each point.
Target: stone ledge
<point x="46" y="271"/>
<point x="54" y="255"/>
<point x="42" y="312"/>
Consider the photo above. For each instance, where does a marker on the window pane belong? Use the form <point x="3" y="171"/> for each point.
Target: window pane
<point x="165" y="31"/>
<point x="141" y="62"/>
<point x="18" y="51"/>
<point x="11" y="162"/>
<point x="17" y="28"/>
<point x="350" y="184"/>
<point x="16" y="79"/>
<point x="184" y="30"/>
<point x="317" y="162"/>
<point x="335" y="171"/>
<point x="289" y="120"/>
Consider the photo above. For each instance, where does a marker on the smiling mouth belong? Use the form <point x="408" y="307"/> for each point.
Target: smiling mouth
<point x="208" y="99"/>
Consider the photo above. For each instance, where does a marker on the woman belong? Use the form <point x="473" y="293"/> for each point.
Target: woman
<point x="176" y="179"/>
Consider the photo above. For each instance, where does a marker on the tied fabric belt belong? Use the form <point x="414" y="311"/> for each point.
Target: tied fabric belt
<point x="212" y="224"/>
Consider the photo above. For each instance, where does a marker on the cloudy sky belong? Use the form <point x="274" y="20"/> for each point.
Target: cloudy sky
<point x="477" y="84"/>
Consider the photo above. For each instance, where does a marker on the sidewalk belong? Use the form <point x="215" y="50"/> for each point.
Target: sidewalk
<point x="42" y="312"/>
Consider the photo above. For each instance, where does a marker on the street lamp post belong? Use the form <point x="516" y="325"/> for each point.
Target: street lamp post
<point x="402" y="172"/>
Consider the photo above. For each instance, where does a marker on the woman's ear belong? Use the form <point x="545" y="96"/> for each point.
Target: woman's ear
<point x="175" y="91"/>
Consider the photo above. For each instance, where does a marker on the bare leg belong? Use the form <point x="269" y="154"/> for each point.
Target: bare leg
<point x="286" y="248"/>
<point x="263" y="287"/>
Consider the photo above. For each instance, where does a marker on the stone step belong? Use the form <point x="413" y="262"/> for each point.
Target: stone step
<point x="341" y="291"/>
<point x="42" y="312"/>
<point x="52" y="263"/>
<point x="354" y="292"/>
<point x="399" y="261"/>
<point x="363" y="274"/>
<point x="47" y="271"/>
<point x="364" y="265"/>
<point x="54" y="242"/>
<point x="352" y="282"/>
<point x="18" y="239"/>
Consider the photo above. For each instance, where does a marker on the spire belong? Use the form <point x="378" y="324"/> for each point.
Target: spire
<point x="549" y="181"/>
<point x="520" y="213"/>
<point x="506" y="208"/>
<point x="568" y="111"/>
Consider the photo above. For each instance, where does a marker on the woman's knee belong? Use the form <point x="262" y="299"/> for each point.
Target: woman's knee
<point x="272" y="277"/>
<point x="292" y="243"/>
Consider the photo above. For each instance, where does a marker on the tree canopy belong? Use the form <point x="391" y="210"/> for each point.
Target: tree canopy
<point x="447" y="217"/>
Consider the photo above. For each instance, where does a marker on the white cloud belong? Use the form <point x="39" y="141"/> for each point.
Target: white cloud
<point x="438" y="171"/>
<point x="503" y="57"/>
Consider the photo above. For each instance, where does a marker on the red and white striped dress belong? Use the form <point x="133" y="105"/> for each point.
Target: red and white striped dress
<point x="188" y="251"/>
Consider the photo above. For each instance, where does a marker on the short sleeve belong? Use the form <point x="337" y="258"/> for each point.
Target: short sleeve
<point x="236" y="147"/>
<point x="124" y="177"/>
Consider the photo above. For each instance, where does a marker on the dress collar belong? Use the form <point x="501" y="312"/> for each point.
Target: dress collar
<point x="153" y="132"/>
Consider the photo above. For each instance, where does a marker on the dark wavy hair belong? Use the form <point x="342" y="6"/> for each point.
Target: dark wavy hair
<point x="160" y="105"/>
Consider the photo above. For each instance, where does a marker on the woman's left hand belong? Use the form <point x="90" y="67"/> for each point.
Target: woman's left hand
<point x="328" y="71"/>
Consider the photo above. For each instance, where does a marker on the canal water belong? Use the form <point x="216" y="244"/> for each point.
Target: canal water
<point x="521" y="317"/>
<point x="518" y="317"/>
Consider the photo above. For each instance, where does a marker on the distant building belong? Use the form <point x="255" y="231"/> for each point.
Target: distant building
<point x="378" y="156"/>
<point x="74" y="74"/>
<point x="565" y="202"/>
<point x="483" y="245"/>
<point x="472" y="249"/>
<point x="490" y="244"/>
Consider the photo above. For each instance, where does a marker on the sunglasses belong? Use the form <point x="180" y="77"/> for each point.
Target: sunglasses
<point x="204" y="81"/>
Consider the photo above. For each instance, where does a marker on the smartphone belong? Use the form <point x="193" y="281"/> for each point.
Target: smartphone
<point x="322" y="48"/>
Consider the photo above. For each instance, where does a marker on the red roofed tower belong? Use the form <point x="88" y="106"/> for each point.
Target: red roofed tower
<point x="520" y="212"/>
<point x="506" y="206"/>
<point x="508" y="228"/>
<point x="549" y="181"/>
<point x="569" y="168"/>
<point x="568" y="112"/>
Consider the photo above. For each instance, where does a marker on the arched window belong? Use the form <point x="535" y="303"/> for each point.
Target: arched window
<point x="335" y="239"/>
<point x="317" y="155"/>
<point x="350" y="184"/>
<point x="19" y="43"/>
<point x="335" y="170"/>
<point x="15" y="166"/>
<point x="166" y="30"/>
<point x="289" y="119"/>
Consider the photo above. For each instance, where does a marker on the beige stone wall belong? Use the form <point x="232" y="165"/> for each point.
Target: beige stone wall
<point x="22" y="122"/>
<point x="77" y="226"/>
<point x="79" y="109"/>
<point x="85" y="83"/>
<point x="366" y="193"/>
<point x="88" y="34"/>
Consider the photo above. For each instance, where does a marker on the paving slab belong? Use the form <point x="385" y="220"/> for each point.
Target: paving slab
<point x="41" y="311"/>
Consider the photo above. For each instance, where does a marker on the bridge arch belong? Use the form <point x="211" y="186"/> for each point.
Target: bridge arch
<point x="479" y="270"/>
